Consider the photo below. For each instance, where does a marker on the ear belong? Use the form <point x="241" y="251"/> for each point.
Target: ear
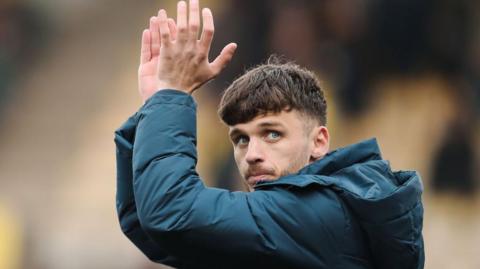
<point x="321" y="143"/>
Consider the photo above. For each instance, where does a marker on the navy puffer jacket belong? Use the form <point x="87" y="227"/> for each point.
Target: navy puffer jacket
<point x="347" y="210"/>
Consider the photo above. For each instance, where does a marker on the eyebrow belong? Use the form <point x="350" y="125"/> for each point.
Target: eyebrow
<point x="234" y="132"/>
<point x="270" y="124"/>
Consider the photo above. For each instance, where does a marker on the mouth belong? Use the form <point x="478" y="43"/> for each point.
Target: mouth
<point x="252" y="180"/>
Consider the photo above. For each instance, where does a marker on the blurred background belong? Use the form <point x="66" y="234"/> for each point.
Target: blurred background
<point x="404" y="71"/>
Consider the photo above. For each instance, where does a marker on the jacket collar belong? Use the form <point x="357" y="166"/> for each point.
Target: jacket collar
<point x="344" y="157"/>
<point x="332" y="162"/>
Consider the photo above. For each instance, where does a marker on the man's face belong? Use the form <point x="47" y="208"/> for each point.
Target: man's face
<point x="274" y="145"/>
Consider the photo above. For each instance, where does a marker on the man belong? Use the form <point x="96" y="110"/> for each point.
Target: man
<point x="307" y="208"/>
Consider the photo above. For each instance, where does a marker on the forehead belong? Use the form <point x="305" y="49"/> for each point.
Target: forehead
<point x="285" y="119"/>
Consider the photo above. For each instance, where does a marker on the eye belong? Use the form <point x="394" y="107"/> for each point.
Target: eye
<point x="273" y="135"/>
<point x="241" y="140"/>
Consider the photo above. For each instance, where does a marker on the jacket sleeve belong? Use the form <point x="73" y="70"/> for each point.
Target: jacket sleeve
<point x="125" y="203"/>
<point x="197" y="224"/>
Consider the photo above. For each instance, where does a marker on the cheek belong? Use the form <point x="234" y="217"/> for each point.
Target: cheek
<point x="297" y="151"/>
<point x="281" y="153"/>
<point x="239" y="158"/>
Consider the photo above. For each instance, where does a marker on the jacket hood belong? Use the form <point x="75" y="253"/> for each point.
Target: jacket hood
<point x="387" y="204"/>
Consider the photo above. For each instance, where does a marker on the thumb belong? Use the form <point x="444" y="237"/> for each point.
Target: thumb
<point x="224" y="58"/>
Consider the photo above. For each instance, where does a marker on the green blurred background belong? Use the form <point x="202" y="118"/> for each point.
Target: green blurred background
<point x="404" y="71"/>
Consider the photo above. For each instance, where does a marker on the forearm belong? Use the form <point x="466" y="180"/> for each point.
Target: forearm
<point x="125" y="202"/>
<point x="164" y="158"/>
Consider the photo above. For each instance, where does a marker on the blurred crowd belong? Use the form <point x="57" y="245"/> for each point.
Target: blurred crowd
<point x="407" y="71"/>
<point x="22" y="34"/>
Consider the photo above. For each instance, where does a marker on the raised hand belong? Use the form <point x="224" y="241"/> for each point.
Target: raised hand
<point x="173" y="57"/>
<point x="149" y="56"/>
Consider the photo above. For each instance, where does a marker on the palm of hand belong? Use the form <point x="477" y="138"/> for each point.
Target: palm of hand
<point x="147" y="76"/>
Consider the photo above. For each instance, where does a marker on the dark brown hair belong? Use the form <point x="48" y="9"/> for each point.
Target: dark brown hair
<point x="273" y="87"/>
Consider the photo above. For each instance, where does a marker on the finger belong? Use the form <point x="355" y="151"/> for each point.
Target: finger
<point x="155" y="36"/>
<point x="208" y="29"/>
<point x="193" y="20"/>
<point x="224" y="58"/>
<point x="173" y="29"/>
<point x="182" y="20"/>
<point x="146" y="50"/>
<point x="164" y="30"/>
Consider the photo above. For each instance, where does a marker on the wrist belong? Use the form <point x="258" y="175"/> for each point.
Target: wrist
<point x="165" y="94"/>
<point x="171" y="86"/>
<point x="163" y="87"/>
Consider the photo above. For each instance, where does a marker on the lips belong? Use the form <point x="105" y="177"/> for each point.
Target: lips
<point x="254" y="177"/>
<point x="252" y="180"/>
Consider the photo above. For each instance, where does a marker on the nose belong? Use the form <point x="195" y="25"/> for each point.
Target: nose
<point x="254" y="152"/>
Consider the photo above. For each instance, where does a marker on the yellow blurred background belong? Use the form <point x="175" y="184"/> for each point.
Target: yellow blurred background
<point x="404" y="71"/>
